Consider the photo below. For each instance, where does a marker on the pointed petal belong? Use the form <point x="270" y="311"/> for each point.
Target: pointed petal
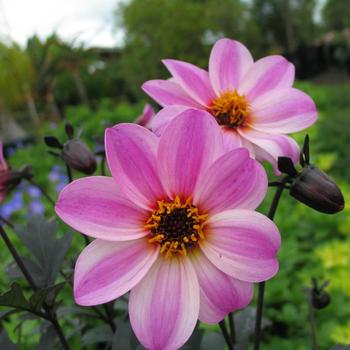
<point x="266" y="74"/>
<point x="283" y="111"/>
<point x="190" y="143"/>
<point x="145" y="118"/>
<point x="193" y="80"/>
<point x="165" y="116"/>
<point x="268" y="147"/>
<point x="243" y="244"/>
<point x="3" y="163"/>
<point x="95" y="206"/>
<point x="167" y="93"/>
<point x="233" y="181"/>
<point x="220" y="294"/>
<point x="131" y="154"/>
<point x="229" y="62"/>
<point x="164" y="307"/>
<point x="106" y="270"/>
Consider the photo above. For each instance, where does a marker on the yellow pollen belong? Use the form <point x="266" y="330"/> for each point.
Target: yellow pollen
<point x="176" y="226"/>
<point x="230" y="109"/>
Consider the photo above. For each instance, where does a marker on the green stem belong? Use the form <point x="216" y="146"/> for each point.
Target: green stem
<point x="224" y="332"/>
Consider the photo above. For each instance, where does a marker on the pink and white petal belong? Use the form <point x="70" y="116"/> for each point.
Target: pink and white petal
<point x="164" y="306"/>
<point x="165" y="116"/>
<point x="243" y="244"/>
<point x="187" y="147"/>
<point x="3" y="163"/>
<point x="271" y="146"/>
<point x="106" y="270"/>
<point x="131" y="154"/>
<point x="95" y="206"/>
<point x="266" y="74"/>
<point x="229" y="61"/>
<point x="283" y="111"/>
<point x="232" y="139"/>
<point x="168" y="92"/>
<point x="193" y="80"/>
<point x="220" y="294"/>
<point x="233" y="181"/>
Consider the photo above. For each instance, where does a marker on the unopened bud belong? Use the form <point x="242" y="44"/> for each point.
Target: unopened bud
<point x="319" y="297"/>
<point x="77" y="155"/>
<point x="315" y="189"/>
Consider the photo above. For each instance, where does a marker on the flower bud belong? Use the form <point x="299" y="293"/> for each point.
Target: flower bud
<point x="320" y="299"/>
<point x="315" y="189"/>
<point x="77" y="155"/>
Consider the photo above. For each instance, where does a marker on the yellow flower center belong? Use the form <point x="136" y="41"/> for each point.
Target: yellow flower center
<point x="176" y="226"/>
<point x="230" y="109"/>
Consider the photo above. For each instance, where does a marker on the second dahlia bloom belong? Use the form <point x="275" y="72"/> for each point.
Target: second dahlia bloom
<point x="254" y="102"/>
<point x="175" y="225"/>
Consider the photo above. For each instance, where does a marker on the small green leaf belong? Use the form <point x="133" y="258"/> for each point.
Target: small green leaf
<point x="14" y="298"/>
<point x="99" y="334"/>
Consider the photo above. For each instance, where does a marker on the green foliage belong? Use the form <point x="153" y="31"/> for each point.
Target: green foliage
<point x="336" y="14"/>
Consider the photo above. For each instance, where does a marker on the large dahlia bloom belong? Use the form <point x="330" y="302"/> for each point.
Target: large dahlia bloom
<point x="175" y="225"/>
<point x="254" y="102"/>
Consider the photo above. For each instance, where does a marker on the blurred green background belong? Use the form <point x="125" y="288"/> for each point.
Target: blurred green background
<point x="51" y="80"/>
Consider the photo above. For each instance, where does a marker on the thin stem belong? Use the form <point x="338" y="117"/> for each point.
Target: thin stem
<point x="224" y="332"/>
<point x="261" y="291"/>
<point x="69" y="174"/>
<point x="313" y="323"/>
<point x="231" y="322"/>
<point x="49" y="313"/>
<point x="42" y="190"/>
<point x="6" y="222"/>
<point x="109" y="313"/>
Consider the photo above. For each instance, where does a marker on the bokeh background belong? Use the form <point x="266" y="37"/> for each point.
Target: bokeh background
<point x="85" y="62"/>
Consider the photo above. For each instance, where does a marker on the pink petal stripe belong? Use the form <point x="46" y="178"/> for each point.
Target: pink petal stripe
<point x="193" y="80"/>
<point x="3" y="163"/>
<point x="243" y="244"/>
<point x="95" y="206"/>
<point x="266" y="74"/>
<point x="106" y="270"/>
<point x="229" y="62"/>
<point x="233" y="181"/>
<point x="131" y="154"/>
<point x="283" y="111"/>
<point x="271" y="146"/>
<point x="167" y="93"/>
<point x="219" y="293"/>
<point x="165" y="116"/>
<point x="164" y="306"/>
<point x="188" y="146"/>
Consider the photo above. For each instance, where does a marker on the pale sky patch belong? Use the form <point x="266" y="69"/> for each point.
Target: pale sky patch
<point x="87" y="21"/>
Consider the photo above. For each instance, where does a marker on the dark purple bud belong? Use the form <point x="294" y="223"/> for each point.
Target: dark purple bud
<point x="78" y="156"/>
<point x="69" y="130"/>
<point x="315" y="189"/>
<point x="319" y="297"/>
<point x="53" y="142"/>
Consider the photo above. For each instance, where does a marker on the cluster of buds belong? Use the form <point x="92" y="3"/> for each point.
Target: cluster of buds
<point x="74" y="152"/>
<point x="11" y="178"/>
<point x="311" y="185"/>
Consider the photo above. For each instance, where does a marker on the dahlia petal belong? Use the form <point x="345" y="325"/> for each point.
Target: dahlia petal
<point x="95" y="206"/>
<point x="283" y="111"/>
<point x="165" y="116"/>
<point x="233" y="181"/>
<point x="232" y="139"/>
<point x="187" y="147"/>
<point x="3" y="163"/>
<point x="193" y="80"/>
<point x="106" y="270"/>
<point x="229" y="61"/>
<point x="266" y="74"/>
<point x="271" y="146"/>
<point x="243" y="244"/>
<point x="219" y="293"/>
<point x="131" y="154"/>
<point x="164" y="306"/>
<point x="167" y="92"/>
<point x="145" y="118"/>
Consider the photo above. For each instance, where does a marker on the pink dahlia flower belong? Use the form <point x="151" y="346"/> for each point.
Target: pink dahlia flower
<point x="254" y="102"/>
<point x="175" y="225"/>
<point x="145" y="118"/>
<point x="4" y="175"/>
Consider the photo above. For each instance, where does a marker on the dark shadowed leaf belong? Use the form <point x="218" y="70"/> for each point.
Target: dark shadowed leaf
<point x="7" y="313"/>
<point x="47" y="338"/>
<point x="39" y="236"/>
<point x="212" y="340"/>
<point x="5" y="342"/>
<point x="69" y="130"/>
<point x="99" y="334"/>
<point x="14" y="298"/>
<point x="52" y="141"/>
<point x="124" y="338"/>
<point x="47" y="295"/>
<point x="195" y="340"/>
